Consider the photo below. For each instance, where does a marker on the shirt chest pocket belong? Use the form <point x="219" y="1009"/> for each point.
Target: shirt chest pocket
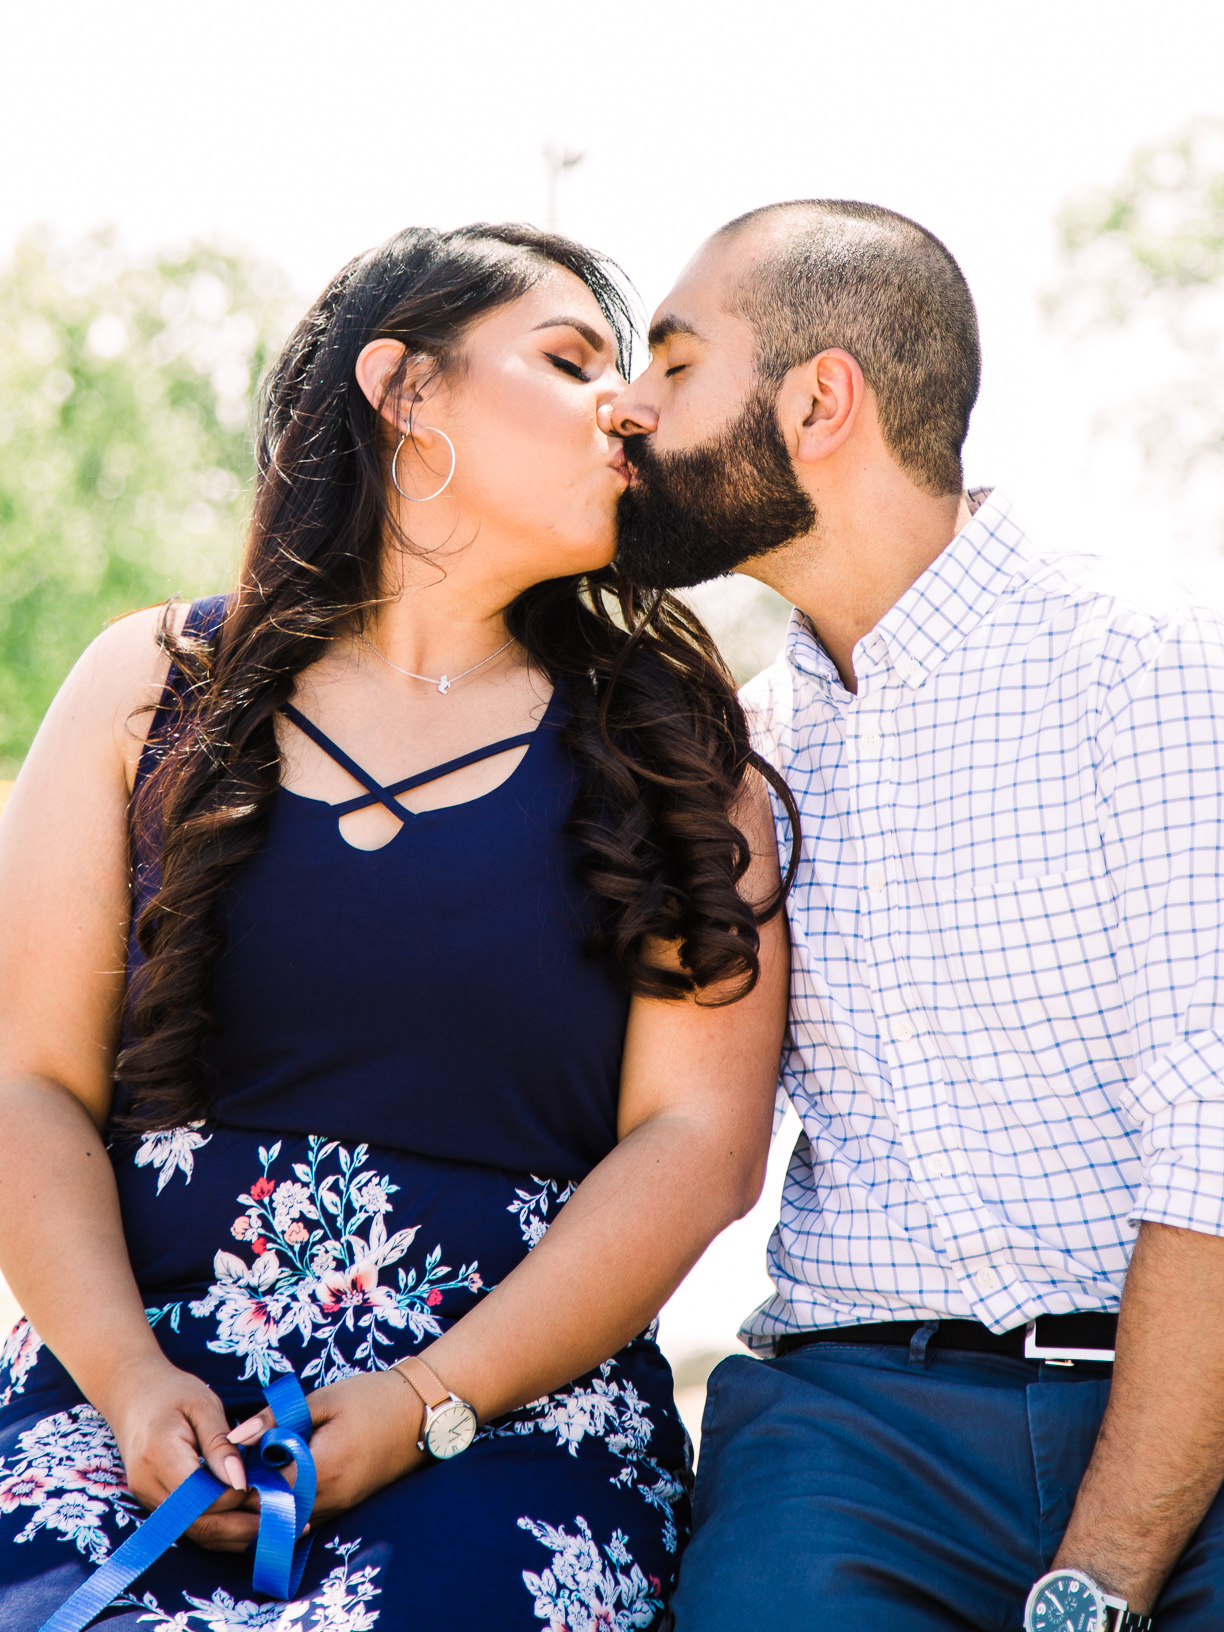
<point x="1032" y="950"/>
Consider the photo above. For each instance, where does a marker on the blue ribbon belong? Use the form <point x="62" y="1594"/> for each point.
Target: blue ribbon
<point x="281" y="1549"/>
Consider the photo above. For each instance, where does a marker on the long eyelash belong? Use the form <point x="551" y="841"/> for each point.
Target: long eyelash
<point x="679" y="369"/>
<point x="567" y="367"/>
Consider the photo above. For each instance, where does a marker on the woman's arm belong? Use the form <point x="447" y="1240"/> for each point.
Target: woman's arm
<point x="64" y="917"/>
<point x="696" y="1108"/>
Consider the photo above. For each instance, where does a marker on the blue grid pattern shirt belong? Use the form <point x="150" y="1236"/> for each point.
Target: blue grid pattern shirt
<point x="1007" y="1015"/>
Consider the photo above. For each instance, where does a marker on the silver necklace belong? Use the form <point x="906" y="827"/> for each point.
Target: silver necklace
<point x="444" y="682"/>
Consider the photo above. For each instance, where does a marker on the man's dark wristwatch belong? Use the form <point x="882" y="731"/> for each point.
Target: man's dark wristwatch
<point x="1070" y="1601"/>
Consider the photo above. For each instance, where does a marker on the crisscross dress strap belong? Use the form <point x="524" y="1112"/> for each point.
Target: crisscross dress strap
<point x="375" y="792"/>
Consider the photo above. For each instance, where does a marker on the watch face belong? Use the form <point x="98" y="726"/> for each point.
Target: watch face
<point x="1065" y="1602"/>
<point x="452" y="1429"/>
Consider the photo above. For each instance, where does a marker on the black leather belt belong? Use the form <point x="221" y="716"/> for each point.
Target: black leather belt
<point x="1059" y="1338"/>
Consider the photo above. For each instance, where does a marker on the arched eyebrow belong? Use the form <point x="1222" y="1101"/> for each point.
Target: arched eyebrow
<point x="593" y="338"/>
<point x="668" y="328"/>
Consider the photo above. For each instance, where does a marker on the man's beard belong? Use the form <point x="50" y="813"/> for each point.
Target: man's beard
<point x="702" y="512"/>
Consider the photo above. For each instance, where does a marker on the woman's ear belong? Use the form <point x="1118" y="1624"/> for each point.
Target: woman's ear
<point x="376" y="369"/>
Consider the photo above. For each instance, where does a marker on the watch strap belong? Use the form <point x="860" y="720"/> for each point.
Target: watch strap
<point x="426" y="1381"/>
<point x="1129" y="1620"/>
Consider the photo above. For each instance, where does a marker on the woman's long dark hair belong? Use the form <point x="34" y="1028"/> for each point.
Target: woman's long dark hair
<point x="656" y="727"/>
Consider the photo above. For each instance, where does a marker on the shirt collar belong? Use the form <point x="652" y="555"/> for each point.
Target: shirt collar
<point x="938" y="611"/>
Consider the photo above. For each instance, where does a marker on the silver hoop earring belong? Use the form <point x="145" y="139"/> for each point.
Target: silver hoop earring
<point x="449" y="474"/>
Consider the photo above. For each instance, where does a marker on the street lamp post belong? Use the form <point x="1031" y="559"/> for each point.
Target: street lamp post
<point x="557" y="159"/>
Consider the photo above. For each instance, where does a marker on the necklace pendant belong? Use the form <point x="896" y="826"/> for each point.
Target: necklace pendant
<point x="444" y="685"/>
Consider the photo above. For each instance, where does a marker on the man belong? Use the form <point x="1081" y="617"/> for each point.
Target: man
<point x="1007" y="1035"/>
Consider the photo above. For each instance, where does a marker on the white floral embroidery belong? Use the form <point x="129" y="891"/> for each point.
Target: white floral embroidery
<point x="342" y="1604"/>
<point x="69" y="1471"/>
<point x="21" y="1350"/>
<point x="532" y="1207"/>
<point x="172" y="1150"/>
<point x="583" y="1591"/>
<point x="291" y="1200"/>
<point x="320" y="1246"/>
<point x="613" y="1411"/>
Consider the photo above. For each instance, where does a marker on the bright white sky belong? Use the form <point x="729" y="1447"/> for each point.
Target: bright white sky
<point x="308" y="131"/>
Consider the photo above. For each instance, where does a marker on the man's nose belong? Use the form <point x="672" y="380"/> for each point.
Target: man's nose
<point x="633" y="414"/>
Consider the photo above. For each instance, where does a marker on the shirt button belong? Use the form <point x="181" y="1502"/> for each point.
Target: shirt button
<point x="938" y="1166"/>
<point x="871" y="742"/>
<point x="908" y="669"/>
<point x="876" y="881"/>
<point x="987" y="1281"/>
<point x="903" y="1028"/>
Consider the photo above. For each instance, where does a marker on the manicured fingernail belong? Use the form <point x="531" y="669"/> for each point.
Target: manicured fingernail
<point x="233" y="1467"/>
<point x="239" y="1435"/>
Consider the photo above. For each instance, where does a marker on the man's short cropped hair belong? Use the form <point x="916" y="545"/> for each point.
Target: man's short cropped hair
<point x="868" y="281"/>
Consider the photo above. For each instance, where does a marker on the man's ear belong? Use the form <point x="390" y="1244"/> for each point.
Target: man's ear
<point x="376" y="369"/>
<point x="820" y="402"/>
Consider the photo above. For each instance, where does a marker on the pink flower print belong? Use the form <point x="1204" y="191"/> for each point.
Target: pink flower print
<point x="259" y="1245"/>
<point x="434" y="1298"/>
<point x="21" y="1487"/>
<point x="101" y="1477"/>
<point x="297" y="1233"/>
<point x="475" y="1282"/>
<point x="353" y="1289"/>
<point x="249" y="1319"/>
<point x="262" y="1189"/>
<point x="240" y="1228"/>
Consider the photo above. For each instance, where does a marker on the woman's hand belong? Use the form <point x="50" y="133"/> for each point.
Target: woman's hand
<point x="365" y="1436"/>
<point x="164" y="1420"/>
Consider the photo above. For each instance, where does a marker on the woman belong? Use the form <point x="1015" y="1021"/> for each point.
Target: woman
<point x="452" y="1005"/>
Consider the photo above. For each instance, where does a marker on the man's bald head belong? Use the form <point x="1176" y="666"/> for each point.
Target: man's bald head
<point x="829" y="274"/>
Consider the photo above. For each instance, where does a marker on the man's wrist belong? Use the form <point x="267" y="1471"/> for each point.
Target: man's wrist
<point x="1068" y="1599"/>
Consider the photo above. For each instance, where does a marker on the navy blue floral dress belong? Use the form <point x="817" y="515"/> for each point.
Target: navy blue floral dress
<point x="416" y="1067"/>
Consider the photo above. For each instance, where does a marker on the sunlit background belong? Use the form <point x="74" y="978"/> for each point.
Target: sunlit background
<point x="177" y="182"/>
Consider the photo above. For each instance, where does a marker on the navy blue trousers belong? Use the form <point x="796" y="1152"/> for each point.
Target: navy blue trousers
<point x="846" y="1486"/>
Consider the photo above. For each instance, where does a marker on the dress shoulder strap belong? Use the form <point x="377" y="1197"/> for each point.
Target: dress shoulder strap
<point x="204" y="618"/>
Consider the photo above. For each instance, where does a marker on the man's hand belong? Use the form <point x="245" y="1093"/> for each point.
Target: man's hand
<point x="365" y="1436"/>
<point x="1159" y="1457"/>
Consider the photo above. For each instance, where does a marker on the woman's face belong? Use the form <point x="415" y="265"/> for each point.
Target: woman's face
<point x="536" y="480"/>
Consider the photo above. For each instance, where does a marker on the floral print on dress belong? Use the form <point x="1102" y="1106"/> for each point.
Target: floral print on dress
<point x="588" y="1588"/>
<point x="20" y="1351"/>
<point x="610" y="1410"/>
<point x="172" y="1150"/>
<point x="319" y="1247"/>
<point x="532" y="1207"/>
<point x="68" y="1470"/>
<point x="341" y="1604"/>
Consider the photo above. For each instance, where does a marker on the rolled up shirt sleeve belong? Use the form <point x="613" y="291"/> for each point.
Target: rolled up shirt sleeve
<point x="1161" y="785"/>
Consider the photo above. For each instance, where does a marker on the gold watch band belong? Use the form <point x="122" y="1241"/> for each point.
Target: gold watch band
<point x="430" y="1386"/>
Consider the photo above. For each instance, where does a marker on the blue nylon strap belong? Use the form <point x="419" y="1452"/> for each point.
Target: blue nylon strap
<point x="160" y="1530"/>
<point x="280" y="1553"/>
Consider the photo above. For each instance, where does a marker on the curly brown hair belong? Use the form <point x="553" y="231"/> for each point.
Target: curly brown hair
<point x="655" y="725"/>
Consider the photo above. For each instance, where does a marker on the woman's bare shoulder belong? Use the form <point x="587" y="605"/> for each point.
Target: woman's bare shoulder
<point x="103" y="710"/>
<point x="125" y="671"/>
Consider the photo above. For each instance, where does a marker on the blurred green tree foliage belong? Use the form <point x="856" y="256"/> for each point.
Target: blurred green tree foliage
<point x="1145" y="258"/>
<point x="125" y="445"/>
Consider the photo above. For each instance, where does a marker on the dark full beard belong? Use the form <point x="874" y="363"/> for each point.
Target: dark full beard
<point x="701" y="513"/>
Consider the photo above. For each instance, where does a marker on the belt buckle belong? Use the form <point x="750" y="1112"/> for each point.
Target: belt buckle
<point x="1061" y="1356"/>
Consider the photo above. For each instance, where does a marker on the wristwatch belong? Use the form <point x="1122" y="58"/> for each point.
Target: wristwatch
<point x="450" y="1423"/>
<point x="1070" y="1601"/>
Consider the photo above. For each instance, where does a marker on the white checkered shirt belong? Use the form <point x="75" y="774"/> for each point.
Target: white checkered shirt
<point x="1007" y="1011"/>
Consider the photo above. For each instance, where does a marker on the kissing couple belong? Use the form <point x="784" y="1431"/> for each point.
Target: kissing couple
<point x="402" y="949"/>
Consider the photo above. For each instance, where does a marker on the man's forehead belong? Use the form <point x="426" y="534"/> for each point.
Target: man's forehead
<point x="699" y="301"/>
